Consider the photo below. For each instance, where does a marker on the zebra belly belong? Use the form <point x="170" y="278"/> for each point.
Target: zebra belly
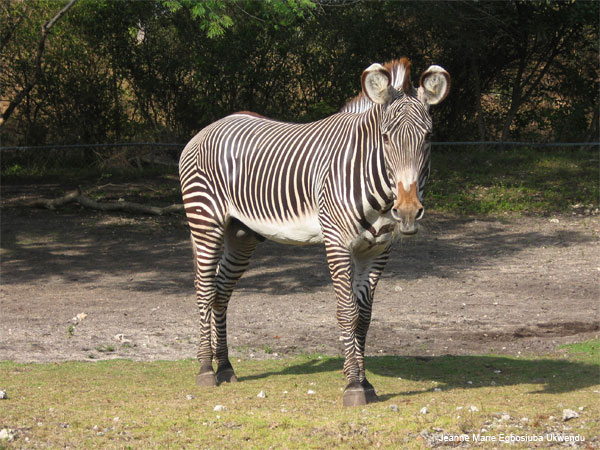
<point x="301" y="231"/>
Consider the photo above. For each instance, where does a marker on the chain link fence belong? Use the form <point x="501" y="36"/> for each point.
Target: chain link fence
<point x="138" y="155"/>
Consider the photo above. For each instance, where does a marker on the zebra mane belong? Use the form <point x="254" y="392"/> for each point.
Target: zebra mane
<point x="400" y="70"/>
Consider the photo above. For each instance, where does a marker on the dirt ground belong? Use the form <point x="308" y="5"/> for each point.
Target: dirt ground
<point x="463" y="285"/>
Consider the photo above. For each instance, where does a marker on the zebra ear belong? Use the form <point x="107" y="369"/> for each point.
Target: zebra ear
<point x="376" y="81"/>
<point x="434" y="85"/>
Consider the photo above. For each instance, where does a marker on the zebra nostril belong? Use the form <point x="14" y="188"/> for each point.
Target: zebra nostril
<point x="420" y="214"/>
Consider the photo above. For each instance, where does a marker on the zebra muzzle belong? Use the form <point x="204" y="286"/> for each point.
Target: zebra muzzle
<point x="407" y="209"/>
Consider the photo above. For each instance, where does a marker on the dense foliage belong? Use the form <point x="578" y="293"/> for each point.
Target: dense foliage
<point x="160" y="70"/>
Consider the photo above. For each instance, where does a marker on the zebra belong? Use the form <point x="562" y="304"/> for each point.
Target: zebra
<point x="352" y="181"/>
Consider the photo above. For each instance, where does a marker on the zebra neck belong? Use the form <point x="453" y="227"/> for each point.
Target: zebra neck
<point x="378" y="187"/>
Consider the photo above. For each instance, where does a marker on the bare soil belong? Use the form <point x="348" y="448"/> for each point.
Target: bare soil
<point x="463" y="285"/>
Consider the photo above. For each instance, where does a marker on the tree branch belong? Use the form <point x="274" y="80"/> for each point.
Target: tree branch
<point x="38" y="64"/>
<point x="83" y="200"/>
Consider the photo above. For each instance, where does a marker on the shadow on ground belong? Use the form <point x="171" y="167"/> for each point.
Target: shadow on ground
<point x="455" y="372"/>
<point x="87" y="247"/>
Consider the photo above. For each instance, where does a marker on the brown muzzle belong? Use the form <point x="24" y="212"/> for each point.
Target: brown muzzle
<point x="407" y="209"/>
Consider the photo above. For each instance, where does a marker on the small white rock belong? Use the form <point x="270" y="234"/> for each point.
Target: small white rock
<point x="219" y="408"/>
<point x="497" y="371"/>
<point x="116" y="419"/>
<point x="4" y="434"/>
<point x="3" y="395"/>
<point x="424" y="410"/>
<point x="469" y="382"/>
<point x="505" y="417"/>
<point x="261" y="394"/>
<point x="310" y="392"/>
<point x="473" y="408"/>
<point x="569" y="414"/>
<point x="189" y="397"/>
<point x="121" y="338"/>
<point x="81" y="316"/>
<point x="554" y="220"/>
<point x="437" y="389"/>
<point x="394" y="408"/>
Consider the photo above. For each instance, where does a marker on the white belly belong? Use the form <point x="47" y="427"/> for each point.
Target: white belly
<point x="301" y="231"/>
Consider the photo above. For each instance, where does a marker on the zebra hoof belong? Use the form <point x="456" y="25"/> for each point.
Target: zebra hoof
<point x="354" y="395"/>
<point x="206" y="379"/>
<point x="370" y="393"/>
<point x="226" y="376"/>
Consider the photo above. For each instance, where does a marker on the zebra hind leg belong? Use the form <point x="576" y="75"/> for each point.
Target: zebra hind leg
<point x="240" y="243"/>
<point x="207" y="243"/>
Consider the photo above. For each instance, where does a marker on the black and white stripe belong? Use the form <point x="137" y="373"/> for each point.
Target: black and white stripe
<point x="245" y="178"/>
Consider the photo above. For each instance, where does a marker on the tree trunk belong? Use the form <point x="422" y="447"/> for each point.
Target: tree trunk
<point x="479" y="109"/>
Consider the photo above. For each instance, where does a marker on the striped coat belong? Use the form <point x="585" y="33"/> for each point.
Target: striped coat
<point x="351" y="181"/>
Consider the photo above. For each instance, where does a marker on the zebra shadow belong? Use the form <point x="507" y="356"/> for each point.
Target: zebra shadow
<point x="404" y="376"/>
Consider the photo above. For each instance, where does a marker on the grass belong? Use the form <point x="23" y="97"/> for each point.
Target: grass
<point x="590" y="349"/>
<point x="125" y="404"/>
<point x="517" y="180"/>
<point x="463" y="180"/>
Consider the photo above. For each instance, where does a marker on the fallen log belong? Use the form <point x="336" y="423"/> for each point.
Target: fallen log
<point x="78" y="197"/>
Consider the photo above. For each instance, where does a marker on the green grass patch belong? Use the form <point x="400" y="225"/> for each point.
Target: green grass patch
<point x="516" y="180"/>
<point x="588" y="349"/>
<point x="126" y="404"/>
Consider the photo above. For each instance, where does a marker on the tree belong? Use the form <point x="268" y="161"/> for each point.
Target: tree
<point x="216" y="16"/>
<point x="21" y="93"/>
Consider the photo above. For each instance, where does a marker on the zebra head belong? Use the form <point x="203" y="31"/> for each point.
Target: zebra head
<point x="404" y="131"/>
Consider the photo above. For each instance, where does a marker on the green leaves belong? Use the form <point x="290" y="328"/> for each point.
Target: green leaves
<point x="215" y="16"/>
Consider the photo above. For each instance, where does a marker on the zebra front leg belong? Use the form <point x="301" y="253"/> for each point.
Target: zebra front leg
<point x="367" y="271"/>
<point x="240" y="243"/>
<point x="340" y="268"/>
<point x="207" y="247"/>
